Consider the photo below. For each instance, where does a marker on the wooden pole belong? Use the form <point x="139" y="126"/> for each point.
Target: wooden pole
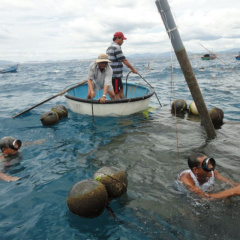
<point x="165" y="12"/>
<point x="59" y="94"/>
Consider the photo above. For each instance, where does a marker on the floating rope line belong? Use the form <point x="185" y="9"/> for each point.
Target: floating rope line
<point x="172" y="86"/>
<point x="221" y="60"/>
<point x="175" y="111"/>
<point x="92" y="111"/>
<point x="151" y="87"/>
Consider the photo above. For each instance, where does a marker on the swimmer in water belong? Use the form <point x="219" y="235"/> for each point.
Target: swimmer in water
<point x="9" y="147"/>
<point x="201" y="176"/>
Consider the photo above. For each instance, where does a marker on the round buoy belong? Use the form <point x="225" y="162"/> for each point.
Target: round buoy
<point x="216" y="115"/>
<point x="114" y="180"/>
<point x="87" y="198"/>
<point x="180" y="105"/>
<point x="61" y="111"/>
<point x="49" y="118"/>
<point x="193" y="108"/>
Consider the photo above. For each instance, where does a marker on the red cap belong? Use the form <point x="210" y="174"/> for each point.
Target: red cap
<point x="119" y="34"/>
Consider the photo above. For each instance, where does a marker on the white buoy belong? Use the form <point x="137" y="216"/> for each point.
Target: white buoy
<point x="193" y="108"/>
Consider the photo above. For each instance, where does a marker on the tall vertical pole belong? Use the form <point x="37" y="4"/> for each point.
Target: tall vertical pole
<point x="165" y="12"/>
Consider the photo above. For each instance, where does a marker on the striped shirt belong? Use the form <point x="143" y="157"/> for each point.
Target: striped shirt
<point x="116" y="57"/>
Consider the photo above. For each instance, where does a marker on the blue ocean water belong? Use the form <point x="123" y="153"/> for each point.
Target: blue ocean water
<point x="144" y="145"/>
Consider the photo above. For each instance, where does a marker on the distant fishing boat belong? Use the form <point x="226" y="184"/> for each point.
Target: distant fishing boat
<point x="9" y="69"/>
<point x="137" y="99"/>
<point x="209" y="56"/>
<point x="238" y="57"/>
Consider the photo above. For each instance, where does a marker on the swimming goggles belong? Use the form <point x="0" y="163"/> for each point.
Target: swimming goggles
<point x="13" y="145"/>
<point x="205" y="164"/>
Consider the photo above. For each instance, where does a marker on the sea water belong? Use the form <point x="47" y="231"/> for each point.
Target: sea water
<point x="151" y="147"/>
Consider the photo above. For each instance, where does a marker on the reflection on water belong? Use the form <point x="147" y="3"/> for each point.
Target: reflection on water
<point x="145" y="145"/>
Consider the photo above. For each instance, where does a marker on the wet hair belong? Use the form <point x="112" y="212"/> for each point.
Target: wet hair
<point x="9" y="141"/>
<point x="192" y="160"/>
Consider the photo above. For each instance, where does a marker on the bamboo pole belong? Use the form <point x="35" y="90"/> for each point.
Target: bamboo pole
<point x="59" y="94"/>
<point x="171" y="28"/>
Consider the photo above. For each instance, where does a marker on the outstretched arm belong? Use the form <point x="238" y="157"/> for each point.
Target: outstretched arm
<point x="235" y="191"/>
<point x="128" y="64"/>
<point x="226" y="180"/>
<point x="7" y="178"/>
<point x="40" y="141"/>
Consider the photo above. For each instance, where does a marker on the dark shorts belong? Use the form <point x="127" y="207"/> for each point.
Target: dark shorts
<point x="117" y="84"/>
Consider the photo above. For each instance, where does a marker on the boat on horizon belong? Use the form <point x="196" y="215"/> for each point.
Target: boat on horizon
<point x="9" y="69"/>
<point x="238" y="56"/>
<point x="137" y="99"/>
<point x="209" y="56"/>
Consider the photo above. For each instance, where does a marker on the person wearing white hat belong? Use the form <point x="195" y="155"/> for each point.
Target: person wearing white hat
<point x="100" y="77"/>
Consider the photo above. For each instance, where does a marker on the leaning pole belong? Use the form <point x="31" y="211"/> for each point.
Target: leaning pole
<point x="165" y="12"/>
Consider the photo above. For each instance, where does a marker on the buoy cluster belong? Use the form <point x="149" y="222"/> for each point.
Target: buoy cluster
<point x="52" y="117"/>
<point x="179" y="106"/>
<point x="89" y="198"/>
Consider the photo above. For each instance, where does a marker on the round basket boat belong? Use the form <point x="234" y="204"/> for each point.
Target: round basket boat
<point x="137" y="99"/>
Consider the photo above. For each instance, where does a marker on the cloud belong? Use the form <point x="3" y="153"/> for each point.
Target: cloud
<point x="51" y="29"/>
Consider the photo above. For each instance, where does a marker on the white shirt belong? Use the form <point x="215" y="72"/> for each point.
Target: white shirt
<point x="100" y="78"/>
<point x="204" y="187"/>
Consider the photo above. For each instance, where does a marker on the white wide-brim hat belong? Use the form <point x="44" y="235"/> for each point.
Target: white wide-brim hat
<point x="102" y="57"/>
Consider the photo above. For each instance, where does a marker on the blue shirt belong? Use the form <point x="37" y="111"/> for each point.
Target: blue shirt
<point x="116" y="57"/>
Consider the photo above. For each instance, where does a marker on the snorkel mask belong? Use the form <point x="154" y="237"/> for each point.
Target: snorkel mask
<point x="205" y="164"/>
<point x="16" y="145"/>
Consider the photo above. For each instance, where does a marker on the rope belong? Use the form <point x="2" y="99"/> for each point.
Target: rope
<point x="172" y="85"/>
<point x="175" y="113"/>
<point x="92" y="111"/>
<point x="151" y="87"/>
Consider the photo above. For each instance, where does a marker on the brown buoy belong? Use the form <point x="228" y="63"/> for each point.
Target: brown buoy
<point x="87" y="198"/>
<point x="114" y="180"/>
<point x="180" y="105"/>
<point x="49" y="118"/>
<point x="216" y="115"/>
<point x="61" y="111"/>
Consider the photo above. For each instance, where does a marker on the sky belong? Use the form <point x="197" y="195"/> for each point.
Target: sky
<point x="32" y="30"/>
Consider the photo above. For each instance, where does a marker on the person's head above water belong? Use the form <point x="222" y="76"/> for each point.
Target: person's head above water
<point x="201" y="161"/>
<point x="9" y="145"/>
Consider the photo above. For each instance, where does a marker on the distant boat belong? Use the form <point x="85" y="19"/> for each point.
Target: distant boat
<point x="9" y="69"/>
<point x="137" y="99"/>
<point x="209" y="57"/>
<point x="238" y="57"/>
